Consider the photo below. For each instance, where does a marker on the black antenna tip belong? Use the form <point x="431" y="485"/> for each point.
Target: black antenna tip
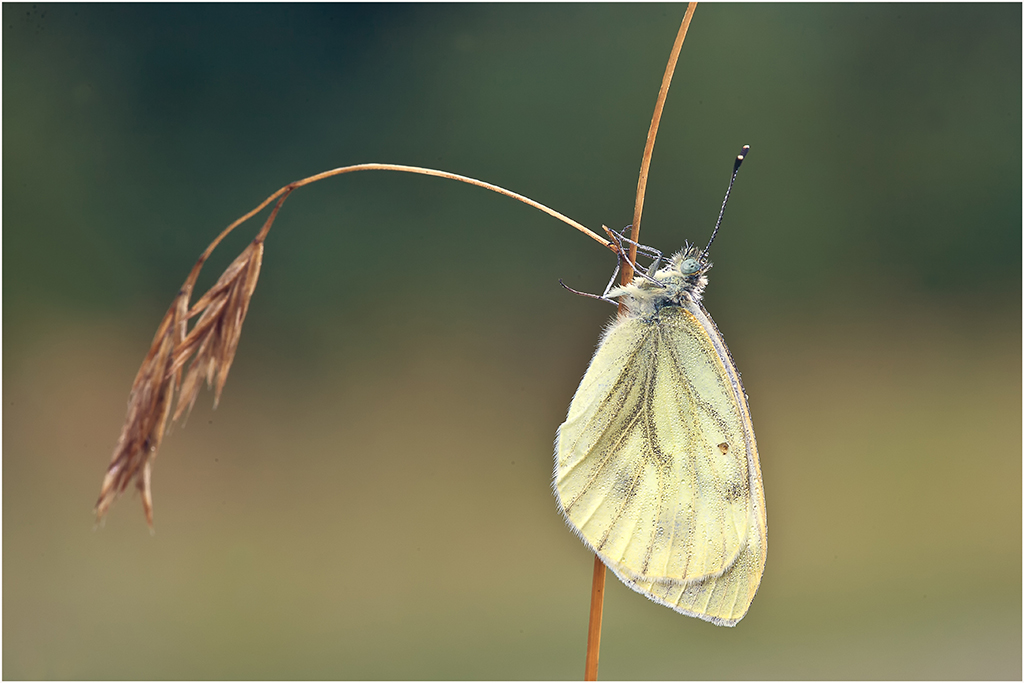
<point x="740" y="157"/>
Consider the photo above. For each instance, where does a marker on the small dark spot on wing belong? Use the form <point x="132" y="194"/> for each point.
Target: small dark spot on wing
<point x="736" y="491"/>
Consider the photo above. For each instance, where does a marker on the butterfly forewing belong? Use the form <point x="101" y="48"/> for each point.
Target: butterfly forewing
<point x="652" y="465"/>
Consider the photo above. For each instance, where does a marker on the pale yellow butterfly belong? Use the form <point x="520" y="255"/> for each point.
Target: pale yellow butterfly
<point x="656" y="466"/>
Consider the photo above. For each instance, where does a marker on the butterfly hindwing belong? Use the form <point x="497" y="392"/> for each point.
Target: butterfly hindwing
<point x="652" y="463"/>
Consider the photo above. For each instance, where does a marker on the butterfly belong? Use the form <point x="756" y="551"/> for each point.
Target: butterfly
<point x="656" y="465"/>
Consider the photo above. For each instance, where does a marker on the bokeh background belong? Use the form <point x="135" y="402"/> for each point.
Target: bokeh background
<point x="371" y="499"/>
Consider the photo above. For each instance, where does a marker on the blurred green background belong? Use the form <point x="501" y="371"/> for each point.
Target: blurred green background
<point x="372" y="499"/>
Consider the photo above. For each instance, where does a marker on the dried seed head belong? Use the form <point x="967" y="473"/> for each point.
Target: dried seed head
<point x="213" y="341"/>
<point x="214" y="338"/>
<point x="149" y="405"/>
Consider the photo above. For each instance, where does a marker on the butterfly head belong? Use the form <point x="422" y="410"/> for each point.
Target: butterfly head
<point x="680" y="281"/>
<point x="685" y="276"/>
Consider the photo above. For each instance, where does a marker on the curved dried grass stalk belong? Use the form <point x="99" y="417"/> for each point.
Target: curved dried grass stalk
<point x="213" y="340"/>
<point x="597" y="584"/>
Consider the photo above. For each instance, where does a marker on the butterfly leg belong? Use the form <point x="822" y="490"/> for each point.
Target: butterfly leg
<point x="611" y="282"/>
<point x="613" y="302"/>
<point x="649" y="252"/>
<point x="620" y="254"/>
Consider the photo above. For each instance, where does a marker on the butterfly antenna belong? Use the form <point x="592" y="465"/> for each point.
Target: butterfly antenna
<point x="735" y="169"/>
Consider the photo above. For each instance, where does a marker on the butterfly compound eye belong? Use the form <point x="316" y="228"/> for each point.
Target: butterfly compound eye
<point x="689" y="266"/>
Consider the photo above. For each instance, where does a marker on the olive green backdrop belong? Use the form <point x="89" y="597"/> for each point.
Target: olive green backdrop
<point x="371" y="499"/>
